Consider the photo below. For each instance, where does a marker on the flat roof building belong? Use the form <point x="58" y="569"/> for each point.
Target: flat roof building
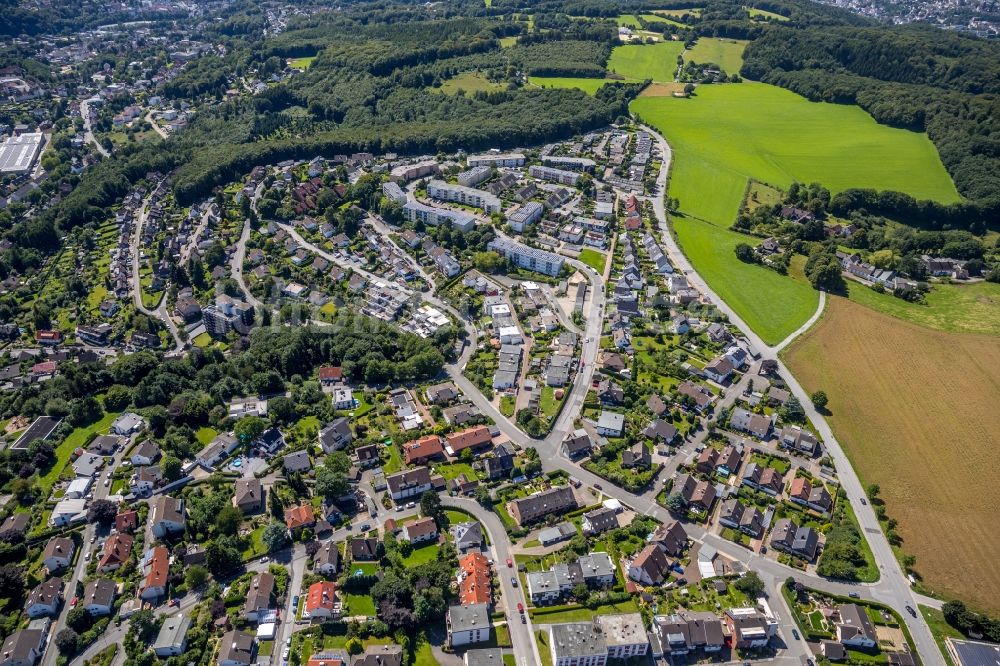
<point x="18" y="153"/>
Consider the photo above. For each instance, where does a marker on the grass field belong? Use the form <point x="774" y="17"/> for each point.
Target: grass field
<point x="915" y="410"/>
<point x="301" y="63"/>
<point x="589" y="86"/>
<point x="646" y="61"/>
<point x="594" y="259"/>
<point x="677" y="13"/>
<point x="761" y="13"/>
<point x="205" y="435"/>
<point x="784" y="137"/>
<point x="469" y="82"/>
<point x="77" y="438"/>
<point x="773" y="305"/>
<point x="726" y="53"/>
<point x="957" y="308"/>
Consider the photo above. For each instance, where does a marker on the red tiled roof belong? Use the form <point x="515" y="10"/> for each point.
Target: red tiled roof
<point x="116" y="550"/>
<point x="474" y="584"/>
<point x="425" y="447"/>
<point x="320" y="595"/>
<point x="464" y="439"/>
<point x="299" y="516"/>
<point x="159" y="568"/>
<point x="331" y="372"/>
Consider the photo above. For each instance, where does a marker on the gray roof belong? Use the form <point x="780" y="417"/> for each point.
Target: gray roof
<point x="20" y="644"/>
<point x="596" y="565"/>
<point x="473" y="616"/>
<point x="100" y="591"/>
<point x="467" y="534"/>
<point x="484" y="657"/>
<point x="236" y="646"/>
<point x="577" y="639"/>
<point x="611" y="421"/>
<point x="172" y="632"/>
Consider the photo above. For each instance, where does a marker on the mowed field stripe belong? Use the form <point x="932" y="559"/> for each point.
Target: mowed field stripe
<point x="916" y="410"/>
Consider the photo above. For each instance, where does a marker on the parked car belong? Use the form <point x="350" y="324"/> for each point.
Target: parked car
<point x="510" y="562"/>
<point x="520" y="607"/>
<point x="864" y="501"/>
<point x="909" y="609"/>
<point x="795" y="634"/>
<point x="72" y="604"/>
<point x="854" y="595"/>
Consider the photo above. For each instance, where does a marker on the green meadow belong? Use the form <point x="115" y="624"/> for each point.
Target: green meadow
<point x="755" y="13"/>
<point x="468" y="82"/>
<point x="726" y="134"/>
<point x="588" y="86"/>
<point x="646" y="61"/>
<point x="726" y="53"/>
<point x="773" y="305"/>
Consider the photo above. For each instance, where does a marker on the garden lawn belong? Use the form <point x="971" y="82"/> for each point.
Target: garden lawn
<point x="421" y="555"/>
<point x="205" y="435"/>
<point x="78" y="438"/>
<point x="594" y="259"/>
<point x="726" y="134"/>
<point x="581" y="613"/>
<point x="646" y="61"/>
<point x="360" y="604"/>
<point x="202" y="340"/>
<point x="453" y="470"/>
<point x="726" y="53"/>
<point x="773" y="305"/>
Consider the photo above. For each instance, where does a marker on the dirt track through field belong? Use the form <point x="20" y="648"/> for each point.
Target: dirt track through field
<point x="918" y="412"/>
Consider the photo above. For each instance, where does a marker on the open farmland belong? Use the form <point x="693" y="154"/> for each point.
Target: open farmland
<point x="773" y="305"/>
<point x="915" y="410"/>
<point x="784" y="137"/>
<point x="646" y="61"/>
<point x="726" y="53"/>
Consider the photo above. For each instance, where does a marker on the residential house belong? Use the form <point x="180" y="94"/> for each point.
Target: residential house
<point x="814" y="497"/>
<point x="471" y="438"/>
<point x="637" y="456"/>
<point x="698" y="397"/>
<point x="58" y="554"/>
<point x="442" y="394"/>
<point x="117" y="549"/>
<point x="765" y="479"/>
<point x="23" y="648"/>
<point x="145" y="454"/>
<point x="681" y="634"/>
<point x="410" y="483"/>
<point x="577" y="644"/>
<point x="420" y="531"/>
<point x="468" y="535"/>
<point x="698" y="494"/>
<point x="299" y="517"/>
<point x="659" y="430"/>
<point x="468" y="625"/>
<point x="249" y="495"/>
<point x="419" y="451"/>
<point x="258" y="596"/>
<point x="327" y="559"/>
<point x="749" y="627"/>
<point x="538" y="505"/>
<point x="127" y="521"/>
<point x="747" y="519"/>
<point x="297" y="461"/>
<point x="156" y="570"/>
<point x="798" y="439"/>
<point x="599" y="521"/>
<point x="45" y="599"/>
<point x="611" y="424"/>
<point x="321" y="600"/>
<point x="335" y="435"/>
<point x="363" y="549"/>
<point x="237" y="648"/>
<point x="166" y="516"/>
<point x="127" y="424"/>
<point x="723" y="461"/>
<point x="855" y="628"/>
<point x="719" y="370"/>
<point x="650" y="566"/>
<point x="474" y="580"/>
<point x="99" y="597"/>
<point x="171" y="640"/>
<point x="577" y="443"/>
<point x="757" y="425"/>
<point x="790" y="538"/>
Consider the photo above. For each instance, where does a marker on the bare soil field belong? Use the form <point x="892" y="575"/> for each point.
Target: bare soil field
<point x="662" y="89"/>
<point x="918" y="412"/>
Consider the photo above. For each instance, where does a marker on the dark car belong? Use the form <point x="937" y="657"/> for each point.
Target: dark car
<point x="513" y="581"/>
<point x="909" y="609"/>
<point x="854" y="595"/>
<point x="795" y="634"/>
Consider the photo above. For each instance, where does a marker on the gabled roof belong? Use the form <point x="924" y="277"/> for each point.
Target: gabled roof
<point x="320" y="595"/>
<point x="299" y="516"/>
